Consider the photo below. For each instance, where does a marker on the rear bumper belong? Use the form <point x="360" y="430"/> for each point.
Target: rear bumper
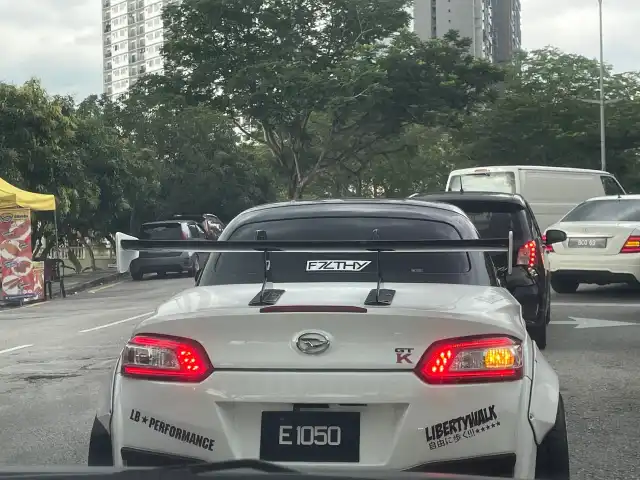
<point x="396" y="410"/>
<point x="599" y="269"/>
<point x="501" y="466"/>
<point x="160" y="264"/>
<point x="531" y="300"/>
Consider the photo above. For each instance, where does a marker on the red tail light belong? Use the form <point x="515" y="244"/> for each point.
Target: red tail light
<point x="472" y="360"/>
<point x="528" y="254"/>
<point x="632" y="245"/>
<point x="160" y="357"/>
<point x="548" y="248"/>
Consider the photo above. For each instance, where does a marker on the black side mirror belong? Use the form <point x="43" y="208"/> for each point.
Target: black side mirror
<point x="198" y="275"/>
<point x="554" y="236"/>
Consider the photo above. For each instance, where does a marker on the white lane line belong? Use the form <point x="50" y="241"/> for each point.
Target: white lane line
<point x="587" y="305"/>
<point x="105" y="287"/>
<point x="114" y="323"/>
<point x="13" y="349"/>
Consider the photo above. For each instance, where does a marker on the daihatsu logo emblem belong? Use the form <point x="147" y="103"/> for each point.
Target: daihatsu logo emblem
<point x="313" y="343"/>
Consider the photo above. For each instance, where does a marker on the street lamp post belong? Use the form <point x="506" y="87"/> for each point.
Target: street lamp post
<point x="603" y="150"/>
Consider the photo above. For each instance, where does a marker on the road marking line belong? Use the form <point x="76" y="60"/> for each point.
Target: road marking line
<point x="587" y="305"/>
<point x="105" y="287"/>
<point x="13" y="349"/>
<point x="34" y="305"/>
<point x="114" y="323"/>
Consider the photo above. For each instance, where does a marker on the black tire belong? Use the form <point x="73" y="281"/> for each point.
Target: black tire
<point x="552" y="460"/>
<point x="100" y="449"/>
<point x="538" y="334"/>
<point x="137" y="276"/>
<point x="564" y="285"/>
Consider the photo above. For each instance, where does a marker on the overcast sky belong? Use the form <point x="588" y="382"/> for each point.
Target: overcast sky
<point x="59" y="41"/>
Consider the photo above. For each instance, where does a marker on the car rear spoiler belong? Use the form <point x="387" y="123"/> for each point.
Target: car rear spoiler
<point x="128" y="248"/>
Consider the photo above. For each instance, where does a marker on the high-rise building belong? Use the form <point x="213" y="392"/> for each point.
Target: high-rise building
<point x="492" y="25"/>
<point x="506" y="29"/>
<point x="132" y="39"/>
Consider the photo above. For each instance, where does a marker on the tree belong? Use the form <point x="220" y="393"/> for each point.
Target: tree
<point x="200" y="164"/>
<point x="541" y="118"/>
<point x="316" y="81"/>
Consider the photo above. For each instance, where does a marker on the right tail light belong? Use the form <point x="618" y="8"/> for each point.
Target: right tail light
<point x="477" y="359"/>
<point x="632" y="245"/>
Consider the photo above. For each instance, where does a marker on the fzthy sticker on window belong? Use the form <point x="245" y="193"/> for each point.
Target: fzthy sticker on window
<point x="336" y="265"/>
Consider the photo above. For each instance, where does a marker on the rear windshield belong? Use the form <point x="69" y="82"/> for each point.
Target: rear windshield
<point x="496" y="219"/>
<point x="161" y="231"/>
<point x="237" y="268"/>
<point x="502" y="182"/>
<point x="615" y="210"/>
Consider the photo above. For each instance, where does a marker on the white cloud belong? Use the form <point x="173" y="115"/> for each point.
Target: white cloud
<point x="60" y="41"/>
<point x="572" y="25"/>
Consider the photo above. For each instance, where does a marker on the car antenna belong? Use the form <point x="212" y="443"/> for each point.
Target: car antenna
<point x="266" y="296"/>
<point x="379" y="296"/>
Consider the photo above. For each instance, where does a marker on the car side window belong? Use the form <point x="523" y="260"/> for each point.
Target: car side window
<point x="611" y="186"/>
<point x="531" y="218"/>
<point x="194" y="231"/>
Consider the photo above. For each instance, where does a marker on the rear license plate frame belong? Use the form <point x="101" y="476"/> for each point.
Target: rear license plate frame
<point x="285" y="436"/>
<point x="588" y="242"/>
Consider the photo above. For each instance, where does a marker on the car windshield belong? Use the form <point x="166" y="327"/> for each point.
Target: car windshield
<point x="312" y="267"/>
<point x="503" y="182"/>
<point x="614" y="210"/>
<point x="161" y="231"/>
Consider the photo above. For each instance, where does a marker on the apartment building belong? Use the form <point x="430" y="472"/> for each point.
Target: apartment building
<point x="507" y="34"/>
<point x="492" y="25"/>
<point x="132" y="39"/>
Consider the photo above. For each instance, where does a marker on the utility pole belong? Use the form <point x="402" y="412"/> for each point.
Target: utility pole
<point x="603" y="149"/>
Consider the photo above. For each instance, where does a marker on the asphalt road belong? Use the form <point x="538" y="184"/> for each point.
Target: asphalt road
<point x="56" y="356"/>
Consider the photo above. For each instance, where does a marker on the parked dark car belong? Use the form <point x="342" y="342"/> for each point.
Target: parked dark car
<point x="169" y="262"/>
<point x="209" y="222"/>
<point x="494" y="214"/>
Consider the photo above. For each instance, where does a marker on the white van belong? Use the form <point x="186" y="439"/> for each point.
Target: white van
<point x="551" y="191"/>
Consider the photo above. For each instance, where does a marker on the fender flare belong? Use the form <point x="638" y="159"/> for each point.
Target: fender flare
<point x="545" y="397"/>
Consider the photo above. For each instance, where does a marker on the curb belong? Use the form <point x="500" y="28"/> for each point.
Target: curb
<point x="112" y="277"/>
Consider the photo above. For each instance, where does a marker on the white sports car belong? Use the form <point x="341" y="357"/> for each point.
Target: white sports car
<point x="344" y="335"/>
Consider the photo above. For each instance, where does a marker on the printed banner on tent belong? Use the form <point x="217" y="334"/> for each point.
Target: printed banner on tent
<point x="18" y="276"/>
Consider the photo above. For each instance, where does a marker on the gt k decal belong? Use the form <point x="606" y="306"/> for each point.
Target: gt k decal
<point x="403" y="355"/>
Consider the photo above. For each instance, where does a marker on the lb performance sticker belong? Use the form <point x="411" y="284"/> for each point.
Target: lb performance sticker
<point x="460" y="428"/>
<point x="172" y="431"/>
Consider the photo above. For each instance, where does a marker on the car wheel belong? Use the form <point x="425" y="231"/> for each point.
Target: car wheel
<point x="564" y="285"/>
<point x="552" y="460"/>
<point x="100" y="449"/>
<point x="538" y="334"/>
<point x="136" y="276"/>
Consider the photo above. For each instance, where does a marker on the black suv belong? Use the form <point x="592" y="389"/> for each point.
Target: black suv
<point x="494" y="214"/>
<point x="169" y="262"/>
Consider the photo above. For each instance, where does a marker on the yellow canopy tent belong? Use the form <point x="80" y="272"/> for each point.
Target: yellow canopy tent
<point x="11" y="196"/>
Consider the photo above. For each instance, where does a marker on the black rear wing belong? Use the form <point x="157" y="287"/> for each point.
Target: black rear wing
<point x="128" y="249"/>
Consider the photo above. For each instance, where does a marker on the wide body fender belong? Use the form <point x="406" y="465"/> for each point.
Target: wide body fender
<point x="545" y="394"/>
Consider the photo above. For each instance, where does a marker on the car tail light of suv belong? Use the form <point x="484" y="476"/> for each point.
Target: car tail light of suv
<point x="548" y="248"/>
<point x="528" y="255"/>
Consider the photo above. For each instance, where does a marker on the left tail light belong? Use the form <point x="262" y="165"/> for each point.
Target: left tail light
<point x="472" y="360"/>
<point x="528" y="255"/>
<point x="165" y="358"/>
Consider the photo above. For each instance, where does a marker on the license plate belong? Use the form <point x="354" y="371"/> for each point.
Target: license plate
<point x="310" y="437"/>
<point x="587" y="243"/>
